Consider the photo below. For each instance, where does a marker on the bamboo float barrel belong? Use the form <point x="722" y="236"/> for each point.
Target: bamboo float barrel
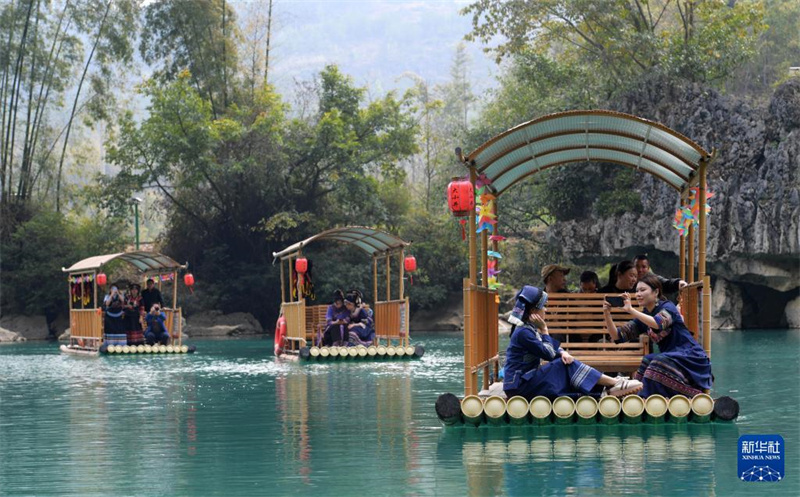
<point x="632" y="409"/>
<point x="362" y="351"/>
<point x="162" y="349"/>
<point x="381" y="352"/>
<point x="656" y="407"/>
<point x="126" y="349"/>
<point x="540" y="409"/>
<point x="352" y="352"/>
<point x="518" y="410"/>
<point x="324" y="352"/>
<point x="170" y="349"/>
<point x="563" y="409"/>
<point x="148" y="349"/>
<point x="472" y="409"/>
<point x="679" y="409"/>
<point x="609" y="408"/>
<point x="586" y="409"/>
<point x="495" y="409"/>
<point x="702" y="407"/>
<point x="334" y="352"/>
<point x="313" y="352"/>
<point x="400" y="351"/>
<point x="184" y="349"/>
<point x="372" y="351"/>
<point x="409" y="351"/>
<point x="390" y="351"/>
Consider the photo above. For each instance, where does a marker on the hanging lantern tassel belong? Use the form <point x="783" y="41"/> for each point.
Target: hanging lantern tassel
<point x="463" y="229"/>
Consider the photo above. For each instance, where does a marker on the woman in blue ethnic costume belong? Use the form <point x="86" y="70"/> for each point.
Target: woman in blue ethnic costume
<point x="681" y="366"/>
<point x="114" y="326"/>
<point x="531" y="343"/>
<point x="336" y="321"/>
<point x="362" y="325"/>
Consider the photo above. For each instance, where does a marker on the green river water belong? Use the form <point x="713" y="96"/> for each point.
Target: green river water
<point x="231" y="420"/>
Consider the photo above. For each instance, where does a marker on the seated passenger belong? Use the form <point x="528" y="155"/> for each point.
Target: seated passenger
<point x="156" y="327"/>
<point x="114" y="326"/>
<point x="554" y="277"/>
<point x="681" y="366"/>
<point x="589" y="282"/>
<point x="669" y="285"/>
<point x="134" y="310"/>
<point x="624" y="278"/>
<point x="336" y="321"/>
<point x="531" y="343"/>
<point x="361" y="327"/>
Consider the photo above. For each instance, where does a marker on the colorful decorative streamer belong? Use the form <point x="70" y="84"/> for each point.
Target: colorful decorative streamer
<point x="687" y="216"/>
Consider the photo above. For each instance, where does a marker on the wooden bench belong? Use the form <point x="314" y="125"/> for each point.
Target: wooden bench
<point x="579" y="318"/>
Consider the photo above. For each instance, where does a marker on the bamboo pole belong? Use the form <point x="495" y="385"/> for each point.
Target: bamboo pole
<point x="701" y="202"/>
<point x="690" y="258"/>
<point x="563" y="409"/>
<point x="586" y="409"/>
<point x="609" y="408"/>
<point x="494" y="409"/>
<point x="682" y="249"/>
<point x="375" y="278"/>
<point x="707" y="314"/>
<point x="467" y="292"/>
<point x="484" y="259"/>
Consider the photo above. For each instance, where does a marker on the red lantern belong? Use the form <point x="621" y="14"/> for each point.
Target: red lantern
<point x="188" y="279"/>
<point x="101" y="279"/>
<point x="461" y="197"/>
<point x="301" y="266"/>
<point x="410" y="263"/>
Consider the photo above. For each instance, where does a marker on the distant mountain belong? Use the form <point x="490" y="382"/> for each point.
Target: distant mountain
<point x="374" y="41"/>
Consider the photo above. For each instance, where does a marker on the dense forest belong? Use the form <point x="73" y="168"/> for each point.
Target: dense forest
<point x="236" y="170"/>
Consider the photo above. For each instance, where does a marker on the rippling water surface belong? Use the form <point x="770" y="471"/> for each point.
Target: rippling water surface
<point x="231" y="420"/>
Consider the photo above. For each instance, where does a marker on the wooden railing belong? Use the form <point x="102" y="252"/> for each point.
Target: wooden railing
<point x="174" y="325"/>
<point x="391" y="321"/>
<point x="480" y="335"/>
<point x="86" y="327"/>
<point x="695" y="305"/>
<point x="295" y="314"/>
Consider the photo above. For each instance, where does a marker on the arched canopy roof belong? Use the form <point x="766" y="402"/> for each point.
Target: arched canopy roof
<point x="581" y="136"/>
<point x="143" y="261"/>
<point x="369" y="240"/>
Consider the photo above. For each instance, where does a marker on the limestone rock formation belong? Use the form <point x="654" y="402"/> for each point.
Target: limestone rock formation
<point x="214" y="324"/>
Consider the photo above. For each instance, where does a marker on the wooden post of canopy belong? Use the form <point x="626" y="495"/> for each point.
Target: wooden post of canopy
<point x="94" y="280"/>
<point x="701" y="270"/>
<point x="291" y="293"/>
<point x="388" y="277"/>
<point x="401" y="283"/>
<point x="297" y="283"/>
<point x="690" y="257"/>
<point x="484" y="258"/>
<point x="682" y="250"/>
<point x="175" y="290"/>
<point x="375" y="279"/>
<point x="496" y="267"/>
<point x="283" y="283"/>
<point x="470" y="309"/>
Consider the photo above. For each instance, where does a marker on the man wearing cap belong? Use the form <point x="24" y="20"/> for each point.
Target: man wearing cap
<point x="554" y="277"/>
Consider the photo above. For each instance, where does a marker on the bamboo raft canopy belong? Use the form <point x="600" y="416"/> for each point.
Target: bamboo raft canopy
<point x="87" y="320"/>
<point x="305" y="323"/>
<point x="574" y="138"/>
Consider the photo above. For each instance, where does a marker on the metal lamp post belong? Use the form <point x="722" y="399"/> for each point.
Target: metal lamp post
<point x="136" y="201"/>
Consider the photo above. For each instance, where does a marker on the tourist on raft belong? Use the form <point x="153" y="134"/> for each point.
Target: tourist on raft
<point x="151" y="295"/>
<point x="336" y="321"/>
<point x="621" y="278"/>
<point x="563" y="375"/>
<point x="115" y="326"/>
<point x="134" y="310"/>
<point x="156" y="327"/>
<point x="642" y="264"/>
<point x="681" y="366"/>
<point x="590" y="283"/>
<point x="362" y="326"/>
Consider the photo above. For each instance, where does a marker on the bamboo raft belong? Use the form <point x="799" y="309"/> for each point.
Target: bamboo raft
<point x="495" y="410"/>
<point x="362" y="353"/>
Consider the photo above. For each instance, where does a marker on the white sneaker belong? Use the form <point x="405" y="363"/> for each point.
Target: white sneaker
<point x="624" y="386"/>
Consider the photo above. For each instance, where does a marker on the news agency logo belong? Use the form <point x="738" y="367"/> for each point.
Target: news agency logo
<point x="761" y="458"/>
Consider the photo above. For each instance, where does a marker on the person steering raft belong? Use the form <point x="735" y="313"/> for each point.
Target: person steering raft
<point x="531" y="343"/>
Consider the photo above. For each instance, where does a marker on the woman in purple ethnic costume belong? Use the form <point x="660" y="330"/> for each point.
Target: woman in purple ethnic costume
<point x="531" y="343"/>
<point x="362" y="325"/>
<point x="681" y="366"/>
<point x="336" y="321"/>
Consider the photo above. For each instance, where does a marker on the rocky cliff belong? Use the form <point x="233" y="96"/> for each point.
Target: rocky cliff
<point x="754" y="235"/>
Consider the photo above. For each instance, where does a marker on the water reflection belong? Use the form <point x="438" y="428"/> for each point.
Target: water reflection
<point x="586" y="460"/>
